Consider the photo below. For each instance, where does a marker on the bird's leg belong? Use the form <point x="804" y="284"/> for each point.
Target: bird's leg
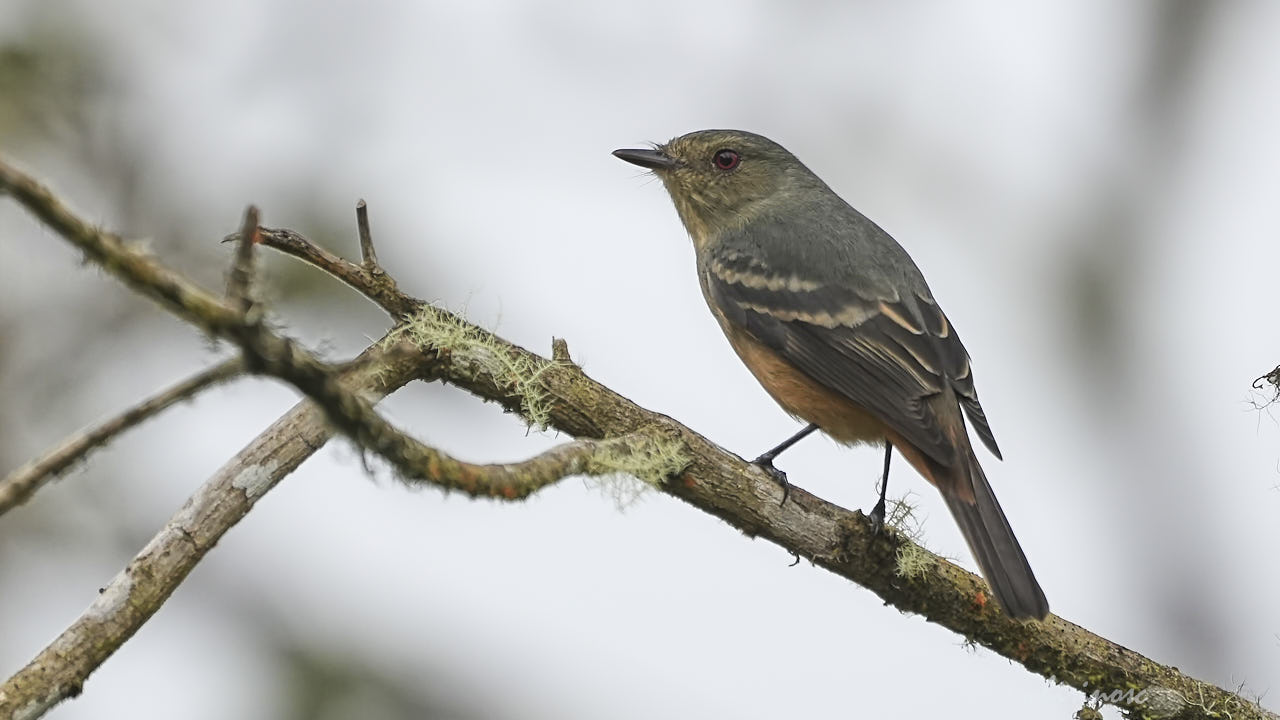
<point x="877" y="513"/>
<point x="765" y="461"/>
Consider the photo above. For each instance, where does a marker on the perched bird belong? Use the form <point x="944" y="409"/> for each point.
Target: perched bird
<point x="837" y="323"/>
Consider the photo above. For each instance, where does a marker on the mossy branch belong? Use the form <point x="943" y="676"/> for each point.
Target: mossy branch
<point x="902" y="573"/>
<point x="646" y="456"/>
<point x="556" y="393"/>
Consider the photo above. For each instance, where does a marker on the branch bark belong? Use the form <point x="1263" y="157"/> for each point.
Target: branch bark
<point x="557" y="393"/>
<point x="59" y="671"/>
<point x="903" y="574"/>
<point x="18" y="486"/>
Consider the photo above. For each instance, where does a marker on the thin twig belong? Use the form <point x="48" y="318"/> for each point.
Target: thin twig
<point x="18" y="486"/>
<point x="369" y="278"/>
<point x="368" y="258"/>
<point x="379" y="287"/>
<point x="292" y="243"/>
<point x="240" y="280"/>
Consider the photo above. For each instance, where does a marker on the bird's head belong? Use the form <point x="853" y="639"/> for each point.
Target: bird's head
<point x="722" y="179"/>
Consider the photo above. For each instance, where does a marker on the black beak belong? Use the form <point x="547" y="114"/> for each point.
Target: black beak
<point x="652" y="159"/>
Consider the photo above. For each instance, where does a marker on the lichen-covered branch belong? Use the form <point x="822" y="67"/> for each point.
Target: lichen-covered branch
<point x="642" y="454"/>
<point x="903" y="574"/>
<point x="558" y="394"/>
<point x="270" y="354"/>
<point x="18" y="486"/>
<point x="61" y="669"/>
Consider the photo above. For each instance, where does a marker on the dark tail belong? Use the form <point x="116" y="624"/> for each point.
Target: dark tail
<point x="996" y="549"/>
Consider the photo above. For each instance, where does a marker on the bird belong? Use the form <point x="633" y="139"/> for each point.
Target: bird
<point x="836" y="322"/>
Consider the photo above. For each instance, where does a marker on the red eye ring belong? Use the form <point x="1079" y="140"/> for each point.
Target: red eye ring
<point x="726" y="159"/>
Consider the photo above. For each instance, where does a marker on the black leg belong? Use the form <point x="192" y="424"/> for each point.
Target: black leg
<point x="765" y="461"/>
<point x="767" y="458"/>
<point x="877" y="513"/>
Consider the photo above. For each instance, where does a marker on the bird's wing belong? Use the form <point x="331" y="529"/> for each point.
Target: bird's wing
<point x="885" y="352"/>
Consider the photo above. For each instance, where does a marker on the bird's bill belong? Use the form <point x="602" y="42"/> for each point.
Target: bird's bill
<point x="652" y="159"/>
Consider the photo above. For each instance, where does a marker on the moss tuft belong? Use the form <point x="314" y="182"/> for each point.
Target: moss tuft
<point x="433" y="329"/>
<point x="652" y="460"/>
<point x="913" y="561"/>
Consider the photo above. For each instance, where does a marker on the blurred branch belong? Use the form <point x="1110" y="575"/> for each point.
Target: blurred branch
<point x="59" y="671"/>
<point x="18" y="486"/>
<point x="557" y="393"/>
<point x="240" y="279"/>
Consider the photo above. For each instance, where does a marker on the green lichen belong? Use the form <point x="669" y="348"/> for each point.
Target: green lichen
<point x="913" y="561"/>
<point x="650" y="459"/>
<point x="433" y="329"/>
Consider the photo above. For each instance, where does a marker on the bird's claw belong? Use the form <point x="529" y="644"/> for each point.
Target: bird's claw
<point x="877" y="518"/>
<point x="765" y="463"/>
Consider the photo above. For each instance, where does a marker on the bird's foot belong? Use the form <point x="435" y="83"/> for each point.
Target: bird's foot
<point x="765" y="463"/>
<point x="877" y="517"/>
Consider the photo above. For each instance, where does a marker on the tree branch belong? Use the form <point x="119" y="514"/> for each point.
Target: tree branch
<point x="18" y="486"/>
<point x="136" y="269"/>
<point x="368" y="258"/>
<point x="628" y="454"/>
<point x="240" y="280"/>
<point x="134" y="595"/>
<point x="559" y="394"/>
<point x="903" y="574"/>
<point x="369" y="279"/>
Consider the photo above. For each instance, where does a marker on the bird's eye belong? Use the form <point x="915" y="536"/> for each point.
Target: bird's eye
<point x="726" y="159"/>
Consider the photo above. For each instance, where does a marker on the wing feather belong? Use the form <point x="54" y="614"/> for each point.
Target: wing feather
<point x="885" y="353"/>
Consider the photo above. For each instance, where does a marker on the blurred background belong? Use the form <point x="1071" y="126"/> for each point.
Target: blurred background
<point x="1090" y="188"/>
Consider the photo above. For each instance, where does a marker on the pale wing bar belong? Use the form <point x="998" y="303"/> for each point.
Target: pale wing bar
<point x="876" y="353"/>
